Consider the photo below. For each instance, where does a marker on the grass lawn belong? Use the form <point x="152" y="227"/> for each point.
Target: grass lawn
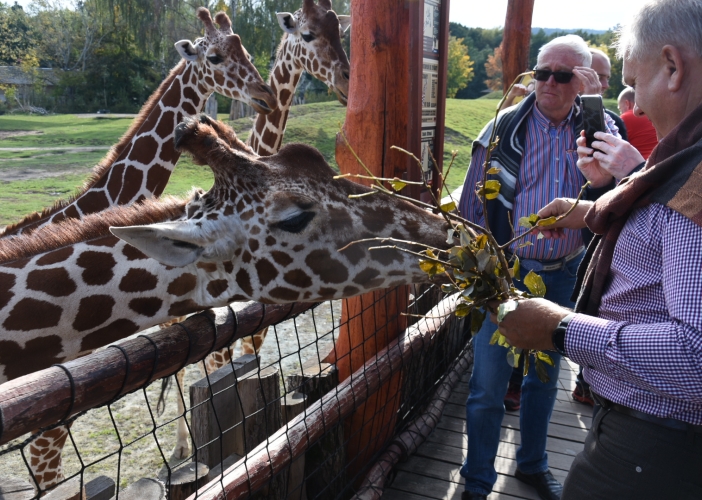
<point x="31" y="180"/>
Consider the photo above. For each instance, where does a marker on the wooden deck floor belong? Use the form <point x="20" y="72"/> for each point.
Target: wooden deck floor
<point x="432" y="472"/>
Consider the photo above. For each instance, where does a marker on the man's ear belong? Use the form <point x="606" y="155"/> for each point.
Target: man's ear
<point x="674" y="66"/>
<point x="187" y="50"/>
<point x="170" y="243"/>
<point x="287" y="22"/>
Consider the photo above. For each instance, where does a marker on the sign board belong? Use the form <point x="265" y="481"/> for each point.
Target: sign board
<point x="434" y="57"/>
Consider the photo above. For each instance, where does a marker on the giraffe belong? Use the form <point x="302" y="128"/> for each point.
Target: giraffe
<point x="311" y="42"/>
<point x="140" y="165"/>
<point x="269" y="230"/>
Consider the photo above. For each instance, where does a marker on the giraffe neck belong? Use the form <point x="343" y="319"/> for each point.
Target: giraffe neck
<point x="141" y="164"/>
<point x="267" y="134"/>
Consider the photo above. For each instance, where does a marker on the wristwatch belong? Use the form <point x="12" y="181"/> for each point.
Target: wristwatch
<point x="558" y="335"/>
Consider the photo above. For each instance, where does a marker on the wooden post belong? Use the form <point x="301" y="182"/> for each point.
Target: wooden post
<point x="324" y="461"/>
<point x="70" y="490"/>
<point x="515" y="44"/>
<point x="186" y="480"/>
<point x="100" y="488"/>
<point x="294" y="404"/>
<point x="384" y="110"/>
<point x="222" y="414"/>
<point x="144" y="489"/>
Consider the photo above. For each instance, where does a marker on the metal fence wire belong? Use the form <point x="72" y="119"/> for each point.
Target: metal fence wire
<point x="288" y="423"/>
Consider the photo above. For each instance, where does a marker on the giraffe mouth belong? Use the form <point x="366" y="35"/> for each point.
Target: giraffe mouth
<point x="343" y="98"/>
<point x="261" y="106"/>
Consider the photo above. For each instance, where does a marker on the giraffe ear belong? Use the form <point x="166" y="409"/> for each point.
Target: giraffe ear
<point x="344" y="23"/>
<point x="187" y="50"/>
<point x="170" y="243"/>
<point x="287" y="22"/>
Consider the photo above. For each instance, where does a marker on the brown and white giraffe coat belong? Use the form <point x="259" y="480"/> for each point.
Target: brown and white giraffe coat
<point x="139" y="166"/>
<point x="269" y="230"/>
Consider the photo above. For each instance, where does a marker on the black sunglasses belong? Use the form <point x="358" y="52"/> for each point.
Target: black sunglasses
<point x="543" y="75"/>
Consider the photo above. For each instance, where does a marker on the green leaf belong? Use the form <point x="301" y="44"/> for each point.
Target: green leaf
<point x="516" y="268"/>
<point x="545" y="358"/>
<point x="465" y="236"/>
<point x="548" y="221"/>
<point x="449" y="288"/>
<point x="535" y="284"/>
<point x="528" y="222"/>
<point x="526" y="364"/>
<point x="448" y="207"/>
<point x="431" y="268"/>
<point x="476" y="320"/>
<point x="463" y="309"/>
<point x="397" y="184"/>
<point x="513" y="356"/>
<point x="505" y="308"/>
<point x="483" y="258"/>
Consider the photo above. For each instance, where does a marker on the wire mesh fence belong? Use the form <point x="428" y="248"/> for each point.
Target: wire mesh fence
<point x="286" y="423"/>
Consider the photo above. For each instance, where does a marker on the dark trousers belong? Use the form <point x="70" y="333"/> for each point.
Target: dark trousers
<point x="628" y="458"/>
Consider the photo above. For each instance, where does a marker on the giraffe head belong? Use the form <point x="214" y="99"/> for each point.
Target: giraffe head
<point x="284" y="223"/>
<point x="314" y="38"/>
<point x="221" y="64"/>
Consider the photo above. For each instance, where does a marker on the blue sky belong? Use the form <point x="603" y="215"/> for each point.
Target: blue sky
<point x="592" y="14"/>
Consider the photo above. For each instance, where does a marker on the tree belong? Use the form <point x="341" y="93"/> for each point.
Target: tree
<point x="460" y="67"/>
<point x="16" y="34"/>
<point x="493" y="69"/>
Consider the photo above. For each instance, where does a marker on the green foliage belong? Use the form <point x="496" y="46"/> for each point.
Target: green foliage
<point x="16" y="33"/>
<point x="460" y="67"/>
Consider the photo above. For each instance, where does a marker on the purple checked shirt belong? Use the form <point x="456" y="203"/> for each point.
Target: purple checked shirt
<point x="644" y="350"/>
<point x="548" y="170"/>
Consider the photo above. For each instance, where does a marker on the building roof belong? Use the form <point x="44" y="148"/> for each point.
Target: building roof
<point x="14" y="75"/>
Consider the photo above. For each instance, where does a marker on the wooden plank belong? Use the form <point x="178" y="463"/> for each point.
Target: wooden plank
<point x="100" y="488"/>
<point x="221" y="415"/>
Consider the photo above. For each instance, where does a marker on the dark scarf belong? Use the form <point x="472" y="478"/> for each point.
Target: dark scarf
<point x="672" y="177"/>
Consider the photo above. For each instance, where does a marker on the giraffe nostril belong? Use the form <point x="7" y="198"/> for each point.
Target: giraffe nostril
<point x="346" y="74"/>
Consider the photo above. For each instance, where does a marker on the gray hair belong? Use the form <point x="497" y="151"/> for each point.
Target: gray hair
<point x="574" y="43"/>
<point x="659" y="23"/>
<point x="628" y="94"/>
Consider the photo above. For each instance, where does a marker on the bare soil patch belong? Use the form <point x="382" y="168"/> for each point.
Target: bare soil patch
<point x="6" y="134"/>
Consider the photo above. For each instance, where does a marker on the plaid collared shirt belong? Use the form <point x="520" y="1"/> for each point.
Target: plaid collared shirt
<point x="644" y="350"/>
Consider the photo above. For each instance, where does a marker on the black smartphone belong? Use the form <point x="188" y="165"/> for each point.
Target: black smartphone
<point x="593" y="117"/>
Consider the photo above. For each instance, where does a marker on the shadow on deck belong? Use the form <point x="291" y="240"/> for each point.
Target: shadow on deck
<point x="432" y="472"/>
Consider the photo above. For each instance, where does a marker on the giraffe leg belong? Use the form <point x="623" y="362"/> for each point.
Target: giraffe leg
<point x="45" y="457"/>
<point x="182" y="446"/>
<point x="252" y="344"/>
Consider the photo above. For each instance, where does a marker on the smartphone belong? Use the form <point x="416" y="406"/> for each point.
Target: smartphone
<point x="593" y="117"/>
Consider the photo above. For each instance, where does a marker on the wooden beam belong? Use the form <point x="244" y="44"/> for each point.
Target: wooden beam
<point x="515" y="44"/>
<point x="44" y="398"/>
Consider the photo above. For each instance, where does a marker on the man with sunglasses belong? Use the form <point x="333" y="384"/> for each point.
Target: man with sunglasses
<point x="537" y="162"/>
<point x="637" y="326"/>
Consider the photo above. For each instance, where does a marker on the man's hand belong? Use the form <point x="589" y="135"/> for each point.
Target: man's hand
<point x="517" y="90"/>
<point x="558" y="207"/>
<point x="531" y="325"/>
<point x="590" y="166"/>
<point x="615" y="155"/>
<point x="588" y="77"/>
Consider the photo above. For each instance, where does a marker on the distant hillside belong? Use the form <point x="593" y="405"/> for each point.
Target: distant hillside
<point x="551" y="31"/>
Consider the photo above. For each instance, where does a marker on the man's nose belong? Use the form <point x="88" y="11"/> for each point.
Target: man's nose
<point x="638" y="111"/>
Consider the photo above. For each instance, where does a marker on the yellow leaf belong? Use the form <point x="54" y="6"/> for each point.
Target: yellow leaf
<point x="547" y="221"/>
<point x="495" y="337"/>
<point x="545" y="358"/>
<point x="528" y="222"/>
<point x="448" y="207"/>
<point x="492" y="189"/>
<point x="397" y="184"/>
<point x="516" y="268"/>
<point x="494" y="171"/>
<point x="535" y="284"/>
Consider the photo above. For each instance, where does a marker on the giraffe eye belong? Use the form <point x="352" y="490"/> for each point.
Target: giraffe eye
<point x="215" y="59"/>
<point x="308" y="37"/>
<point x="296" y="223"/>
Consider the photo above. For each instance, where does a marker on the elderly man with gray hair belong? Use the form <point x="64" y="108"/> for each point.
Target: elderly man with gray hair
<point x="637" y="326"/>
<point x="537" y="161"/>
